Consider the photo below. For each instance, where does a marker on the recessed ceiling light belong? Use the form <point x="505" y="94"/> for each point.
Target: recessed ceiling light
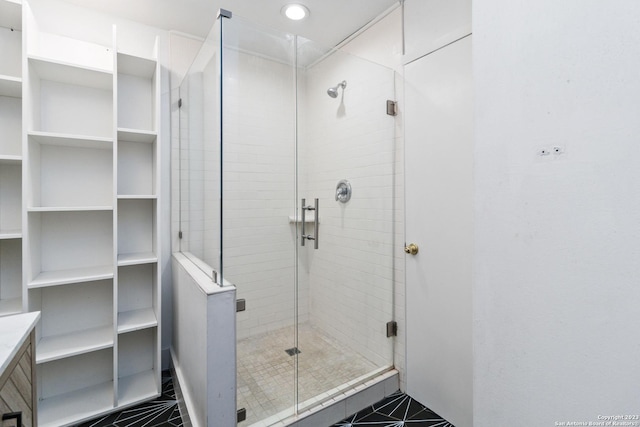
<point x="295" y="11"/>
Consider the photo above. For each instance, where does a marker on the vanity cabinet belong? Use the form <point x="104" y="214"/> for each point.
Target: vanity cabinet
<point x="18" y="401"/>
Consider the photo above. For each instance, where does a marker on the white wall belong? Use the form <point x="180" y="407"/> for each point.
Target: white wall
<point x="556" y="267"/>
<point x="203" y="347"/>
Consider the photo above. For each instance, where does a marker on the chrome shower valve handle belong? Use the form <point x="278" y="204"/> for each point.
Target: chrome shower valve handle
<point x="343" y="191"/>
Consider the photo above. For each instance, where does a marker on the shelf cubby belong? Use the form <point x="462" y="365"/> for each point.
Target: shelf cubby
<point x="136" y="227"/>
<point x="76" y="319"/>
<point x="136" y="92"/>
<point x="137" y="258"/>
<point x="10" y="127"/>
<point x="10" y="86"/>
<point x="137" y="293"/>
<point x="136" y="164"/>
<point x="10" y="276"/>
<point x="10" y="197"/>
<point x="11" y="48"/>
<point x="10" y="157"/>
<point x="138" y="377"/>
<point x="69" y="99"/>
<point x="68" y="247"/>
<point x="87" y="118"/>
<point x="75" y="388"/>
<point x="70" y="172"/>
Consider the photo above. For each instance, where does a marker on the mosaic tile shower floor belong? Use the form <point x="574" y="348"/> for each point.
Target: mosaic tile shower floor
<point x="266" y="371"/>
<point x="161" y="412"/>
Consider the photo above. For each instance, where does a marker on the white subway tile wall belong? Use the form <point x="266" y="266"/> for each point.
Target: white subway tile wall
<point x="351" y="137"/>
<point x="259" y="191"/>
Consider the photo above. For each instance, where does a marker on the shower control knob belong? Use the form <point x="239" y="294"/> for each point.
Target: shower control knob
<point x="411" y="249"/>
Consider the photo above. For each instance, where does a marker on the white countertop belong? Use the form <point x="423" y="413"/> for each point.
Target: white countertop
<point x="14" y="331"/>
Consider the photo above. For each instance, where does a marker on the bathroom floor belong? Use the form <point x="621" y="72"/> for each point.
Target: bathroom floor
<point x="266" y="371"/>
<point x="396" y="410"/>
<point x="161" y="412"/>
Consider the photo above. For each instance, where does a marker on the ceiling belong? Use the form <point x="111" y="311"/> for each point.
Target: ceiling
<point x="329" y="22"/>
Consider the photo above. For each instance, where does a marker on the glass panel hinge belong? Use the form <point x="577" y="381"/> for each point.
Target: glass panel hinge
<point x="392" y="329"/>
<point x="392" y="108"/>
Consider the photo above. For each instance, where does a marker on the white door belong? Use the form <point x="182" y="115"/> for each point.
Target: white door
<point x="439" y="203"/>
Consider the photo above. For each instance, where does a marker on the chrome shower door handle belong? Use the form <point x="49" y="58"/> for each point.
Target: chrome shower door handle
<point x="304" y="209"/>
<point x="316" y="224"/>
<point x="305" y="236"/>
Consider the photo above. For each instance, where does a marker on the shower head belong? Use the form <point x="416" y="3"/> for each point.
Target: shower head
<point x="333" y="91"/>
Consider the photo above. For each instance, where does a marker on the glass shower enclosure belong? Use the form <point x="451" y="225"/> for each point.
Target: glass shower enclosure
<point x="287" y="192"/>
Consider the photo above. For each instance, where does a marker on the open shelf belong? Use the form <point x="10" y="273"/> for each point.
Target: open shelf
<point x="71" y="140"/>
<point x="75" y="389"/>
<point x="10" y="234"/>
<point x="136" y="227"/>
<point x="136" y="92"/>
<point x="10" y="276"/>
<point x="10" y="196"/>
<point x="10" y="86"/>
<point x="134" y="320"/>
<point x="137" y="388"/>
<point x="137" y="369"/>
<point x="136" y="165"/>
<point x="11" y="48"/>
<point x="137" y="292"/>
<point x="11" y="14"/>
<point x="76" y="319"/>
<point x="66" y="72"/>
<point x="66" y="277"/>
<point x="10" y="157"/>
<point x="137" y="197"/>
<point x="137" y="258"/>
<point x="136" y="135"/>
<point x="71" y="209"/>
<point x="69" y="99"/>
<point x="78" y="405"/>
<point x="72" y="344"/>
<point x="10" y="160"/>
<point x="10" y="127"/>
<point x="68" y="171"/>
<point x="69" y="246"/>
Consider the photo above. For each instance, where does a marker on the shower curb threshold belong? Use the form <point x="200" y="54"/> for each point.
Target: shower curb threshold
<point x="337" y="404"/>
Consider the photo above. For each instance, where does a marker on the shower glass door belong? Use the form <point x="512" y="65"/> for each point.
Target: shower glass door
<point x="345" y="174"/>
<point x="318" y="290"/>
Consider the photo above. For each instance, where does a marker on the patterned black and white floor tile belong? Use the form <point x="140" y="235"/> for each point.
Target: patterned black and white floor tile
<point x="397" y="410"/>
<point x="162" y="412"/>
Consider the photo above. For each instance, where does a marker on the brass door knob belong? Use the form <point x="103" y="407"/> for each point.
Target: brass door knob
<point x="411" y="249"/>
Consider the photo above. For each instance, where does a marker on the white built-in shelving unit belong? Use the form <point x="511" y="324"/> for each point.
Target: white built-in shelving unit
<point x="10" y="157"/>
<point x="84" y="142"/>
